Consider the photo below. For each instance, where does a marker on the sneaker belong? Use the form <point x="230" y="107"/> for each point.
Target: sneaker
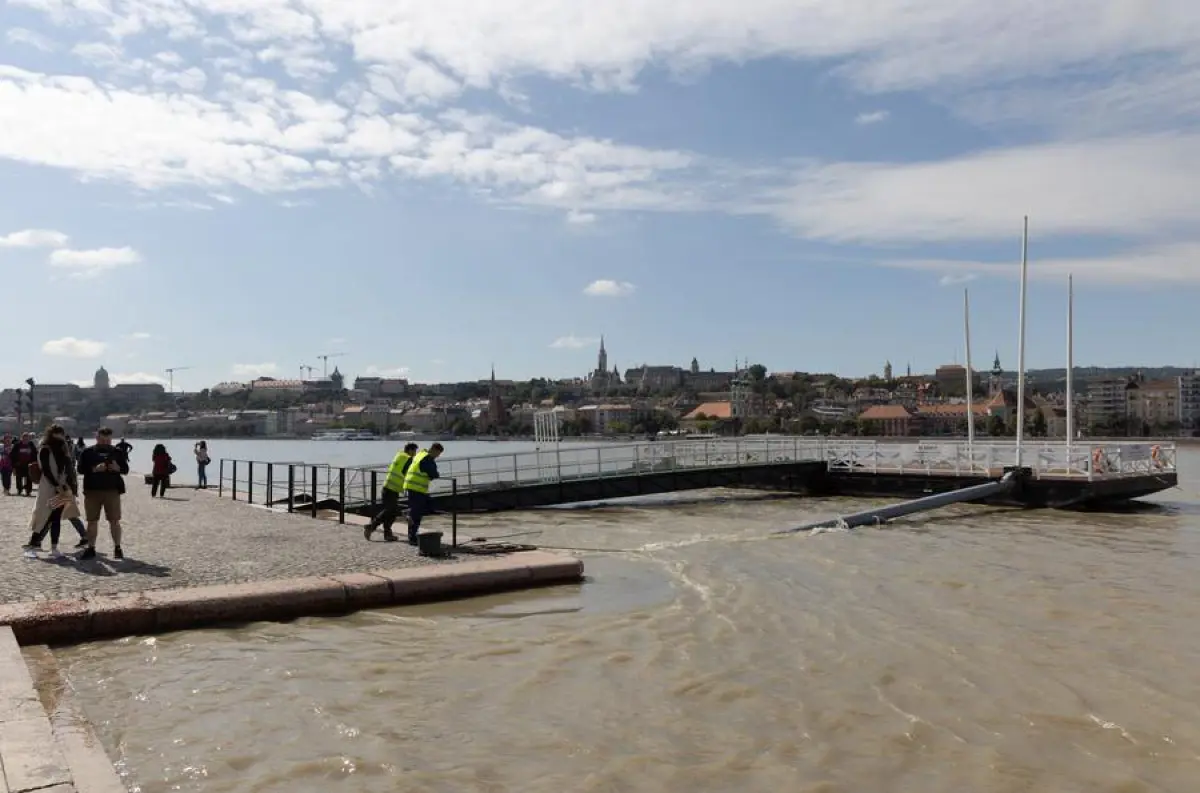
<point x="88" y="553"/>
<point x="56" y="554"/>
<point x="30" y="553"/>
<point x="118" y="553"/>
<point x="390" y="537"/>
<point x="32" y="546"/>
<point x="368" y="530"/>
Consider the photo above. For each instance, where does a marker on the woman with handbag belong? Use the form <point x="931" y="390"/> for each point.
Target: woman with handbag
<point x="202" y="461"/>
<point x="160" y="475"/>
<point x="54" y="491"/>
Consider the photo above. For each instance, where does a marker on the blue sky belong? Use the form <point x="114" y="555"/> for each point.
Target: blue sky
<point x="433" y="187"/>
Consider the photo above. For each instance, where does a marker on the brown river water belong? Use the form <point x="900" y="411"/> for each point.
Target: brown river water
<point x="973" y="649"/>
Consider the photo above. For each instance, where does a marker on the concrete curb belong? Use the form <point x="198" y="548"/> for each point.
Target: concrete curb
<point x="157" y="611"/>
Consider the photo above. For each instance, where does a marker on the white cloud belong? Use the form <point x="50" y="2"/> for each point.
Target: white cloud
<point x="954" y="279"/>
<point x="29" y="38"/>
<point x="573" y="342"/>
<point x="86" y="264"/>
<point x="1139" y="185"/>
<point x="1164" y="265"/>
<point x="135" y="378"/>
<point x="873" y="117"/>
<point x="34" y="238"/>
<point x="387" y="371"/>
<point x="253" y="370"/>
<point x="71" y="347"/>
<point x="140" y="336"/>
<point x="608" y="288"/>
<point x="1110" y="84"/>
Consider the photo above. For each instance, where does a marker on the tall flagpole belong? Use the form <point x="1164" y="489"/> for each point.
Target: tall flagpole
<point x="970" y="378"/>
<point x="1021" y="341"/>
<point x="1070" y="363"/>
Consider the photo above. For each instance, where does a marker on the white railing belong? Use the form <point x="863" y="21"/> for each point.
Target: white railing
<point x="558" y="463"/>
<point x="260" y="482"/>
<point x="990" y="458"/>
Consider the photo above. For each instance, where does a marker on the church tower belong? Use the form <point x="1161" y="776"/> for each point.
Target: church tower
<point x="602" y="363"/>
<point x="887" y="371"/>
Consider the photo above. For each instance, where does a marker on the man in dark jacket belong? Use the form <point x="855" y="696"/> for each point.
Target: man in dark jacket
<point x="103" y="468"/>
<point x="24" y="454"/>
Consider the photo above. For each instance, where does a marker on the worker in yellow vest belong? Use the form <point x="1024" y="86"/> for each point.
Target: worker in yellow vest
<point x="393" y="489"/>
<point x="421" y="471"/>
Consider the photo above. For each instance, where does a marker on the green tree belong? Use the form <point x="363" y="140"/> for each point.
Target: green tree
<point x="1037" y="424"/>
<point x="996" y="426"/>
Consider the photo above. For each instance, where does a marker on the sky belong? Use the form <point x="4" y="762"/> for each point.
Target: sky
<point x="233" y="188"/>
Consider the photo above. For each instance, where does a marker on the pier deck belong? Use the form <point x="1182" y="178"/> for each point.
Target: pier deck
<point x="194" y="559"/>
<point x="1061" y="474"/>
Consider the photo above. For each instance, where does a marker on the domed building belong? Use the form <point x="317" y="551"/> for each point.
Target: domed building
<point x="100" y="381"/>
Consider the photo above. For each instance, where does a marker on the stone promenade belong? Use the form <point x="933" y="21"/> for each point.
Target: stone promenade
<point x="191" y="539"/>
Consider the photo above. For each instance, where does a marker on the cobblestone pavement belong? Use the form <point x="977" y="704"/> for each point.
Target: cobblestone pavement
<point x="189" y="539"/>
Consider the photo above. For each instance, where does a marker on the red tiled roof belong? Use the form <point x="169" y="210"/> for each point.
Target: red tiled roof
<point x="885" y="412"/>
<point x="712" y="410"/>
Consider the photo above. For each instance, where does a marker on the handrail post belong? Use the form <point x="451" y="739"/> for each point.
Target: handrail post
<point x="291" y="488"/>
<point x="454" y="513"/>
<point x="599" y="464"/>
<point x="637" y="461"/>
<point x="314" y="491"/>
<point x="374" y="486"/>
<point x="270" y="484"/>
<point x="250" y="482"/>
<point x="341" y="495"/>
<point x="221" y="479"/>
<point x="516" y="471"/>
<point x="233" y="485"/>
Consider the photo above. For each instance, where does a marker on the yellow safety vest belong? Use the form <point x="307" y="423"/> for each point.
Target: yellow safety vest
<point x="396" y="472"/>
<point x="416" y="480"/>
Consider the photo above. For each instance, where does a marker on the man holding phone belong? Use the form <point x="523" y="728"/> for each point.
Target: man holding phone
<point x="103" y="468"/>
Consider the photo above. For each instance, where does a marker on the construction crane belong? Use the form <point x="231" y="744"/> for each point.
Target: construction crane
<point x="306" y="368"/>
<point x="325" y="362"/>
<point x="171" y="376"/>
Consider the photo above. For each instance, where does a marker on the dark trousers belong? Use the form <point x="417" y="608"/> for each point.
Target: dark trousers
<point x="390" y="510"/>
<point x="6" y="480"/>
<point x="159" y="485"/>
<point x="419" y="505"/>
<point x="53" y="527"/>
<point x="24" y="483"/>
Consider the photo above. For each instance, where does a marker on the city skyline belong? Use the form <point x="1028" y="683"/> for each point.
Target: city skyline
<point x="433" y="188"/>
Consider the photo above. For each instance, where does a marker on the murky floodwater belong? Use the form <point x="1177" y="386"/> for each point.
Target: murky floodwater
<point x="979" y="650"/>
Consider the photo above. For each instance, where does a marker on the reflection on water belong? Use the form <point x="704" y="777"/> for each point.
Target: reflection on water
<point x="973" y="650"/>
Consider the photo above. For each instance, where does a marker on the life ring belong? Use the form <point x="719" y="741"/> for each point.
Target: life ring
<point x="1156" y="456"/>
<point x="1098" y="459"/>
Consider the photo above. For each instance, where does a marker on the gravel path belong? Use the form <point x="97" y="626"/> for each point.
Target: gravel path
<point x="190" y="538"/>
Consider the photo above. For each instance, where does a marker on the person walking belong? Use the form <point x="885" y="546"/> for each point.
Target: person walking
<point x="202" y="461"/>
<point x="6" y="466"/>
<point x="24" y="454"/>
<point x="79" y="447"/>
<point x="54" y="491"/>
<point x="422" y="470"/>
<point x="393" y="489"/>
<point x="103" y="467"/>
<point x="160" y="475"/>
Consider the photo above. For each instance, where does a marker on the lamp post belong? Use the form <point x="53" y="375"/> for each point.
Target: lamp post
<point x="32" y="414"/>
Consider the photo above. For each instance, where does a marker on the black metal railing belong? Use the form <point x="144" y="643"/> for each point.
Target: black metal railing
<point x="313" y="488"/>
